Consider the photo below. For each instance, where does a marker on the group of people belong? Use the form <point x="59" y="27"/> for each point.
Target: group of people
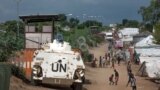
<point x="111" y="58"/>
<point x="116" y="56"/>
<point x="119" y="55"/>
<point x="113" y="79"/>
<point x="104" y="61"/>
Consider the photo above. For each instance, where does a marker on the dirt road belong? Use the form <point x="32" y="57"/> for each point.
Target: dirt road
<point x="98" y="78"/>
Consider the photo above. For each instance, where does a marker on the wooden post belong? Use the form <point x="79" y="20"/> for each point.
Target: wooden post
<point x="53" y="31"/>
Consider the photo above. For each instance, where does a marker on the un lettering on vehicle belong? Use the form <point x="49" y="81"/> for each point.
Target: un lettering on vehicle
<point x="59" y="67"/>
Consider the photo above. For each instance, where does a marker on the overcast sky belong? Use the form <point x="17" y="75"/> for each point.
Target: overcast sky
<point x="107" y="11"/>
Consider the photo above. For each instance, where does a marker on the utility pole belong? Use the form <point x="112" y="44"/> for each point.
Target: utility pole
<point x="18" y="1"/>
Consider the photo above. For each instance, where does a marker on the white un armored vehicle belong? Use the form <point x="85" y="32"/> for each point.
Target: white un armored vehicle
<point x="57" y="64"/>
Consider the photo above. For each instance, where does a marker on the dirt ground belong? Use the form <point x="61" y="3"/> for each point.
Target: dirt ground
<point x="97" y="78"/>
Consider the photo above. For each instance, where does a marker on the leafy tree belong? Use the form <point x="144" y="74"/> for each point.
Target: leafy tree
<point x="147" y="27"/>
<point x="130" y="23"/>
<point x="73" y="22"/>
<point x="151" y="14"/>
<point x="157" y="33"/>
<point x="81" y="26"/>
<point x="9" y="42"/>
<point x="10" y="26"/>
<point x="124" y="22"/>
<point x="62" y="17"/>
<point x="89" y="23"/>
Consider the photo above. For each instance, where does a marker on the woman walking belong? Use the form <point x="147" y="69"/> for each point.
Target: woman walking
<point x="116" y="76"/>
<point x="133" y="83"/>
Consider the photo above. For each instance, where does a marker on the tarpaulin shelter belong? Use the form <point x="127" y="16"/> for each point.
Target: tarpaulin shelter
<point x="150" y="68"/>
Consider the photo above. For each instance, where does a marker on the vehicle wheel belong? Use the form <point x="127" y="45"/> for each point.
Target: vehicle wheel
<point x="83" y="79"/>
<point x="77" y="86"/>
<point x="34" y="82"/>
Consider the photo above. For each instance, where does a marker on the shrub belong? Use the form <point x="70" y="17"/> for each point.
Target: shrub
<point x="157" y="33"/>
<point x="18" y="72"/>
<point x="87" y="56"/>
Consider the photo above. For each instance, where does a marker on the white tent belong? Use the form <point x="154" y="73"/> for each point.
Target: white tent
<point x="148" y="59"/>
<point x="151" y="68"/>
<point x="146" y="42"/>
<point x="145" y="52"/>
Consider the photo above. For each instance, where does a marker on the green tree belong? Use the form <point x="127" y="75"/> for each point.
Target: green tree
<point x="62" y="17"/>
<point x="81" y="26"/>
<point x="130" y="23"/>
<point x="151" y="14"/>
<point x="124" y="22"/>
<point x="147" y="27"/>
<point x="157" y="33"/>
<point x="73" y="22"/>
<point x="10" y="26"/>
<point x="9" y="42"/>
<point x="89" y="23"/>
<point x="8" y="45"/>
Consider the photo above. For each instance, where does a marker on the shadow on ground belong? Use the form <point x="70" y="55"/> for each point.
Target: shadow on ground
<point x="53" y="87"/>
<point x="87" y="81"/>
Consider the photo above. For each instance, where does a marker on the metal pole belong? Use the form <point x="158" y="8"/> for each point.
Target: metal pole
<point x="18" y="1"/>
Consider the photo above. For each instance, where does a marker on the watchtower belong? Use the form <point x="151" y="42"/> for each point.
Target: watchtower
<point x="38" y="29"/>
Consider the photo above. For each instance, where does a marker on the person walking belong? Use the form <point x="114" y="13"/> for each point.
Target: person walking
<point x="109" y="56"/>
<point x="94" y="63"/>
<point x="107" y="59"/>
<point x="106" y="56"/>
<point x="103" y="62"/>
<point x="100" y="61"/>
<point x="111" y="82"/>
<point x="129" y="67"/>
<point x="120" y="57"/>
<point x="133" y="83"/>
<point x="116" y="76"/>
<point x="130" y="75"/>
<point x="127" y="56"/>
<point x="112" y="61"/>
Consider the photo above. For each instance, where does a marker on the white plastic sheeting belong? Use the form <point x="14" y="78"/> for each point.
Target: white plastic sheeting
<point x="149" y="59"/>
<point x="152" y="52"/>
<point x="146" y="42"/>
<point x="129" y="31"/>
<point x="152" y="66"/>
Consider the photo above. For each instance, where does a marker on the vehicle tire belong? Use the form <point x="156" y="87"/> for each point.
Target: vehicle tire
<point x="77" y="86"/>
<point x="83" y="79"/>
<point x="35" y="82"/>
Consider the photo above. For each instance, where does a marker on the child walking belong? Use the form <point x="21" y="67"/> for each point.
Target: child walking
<point x="111" y="82"/>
